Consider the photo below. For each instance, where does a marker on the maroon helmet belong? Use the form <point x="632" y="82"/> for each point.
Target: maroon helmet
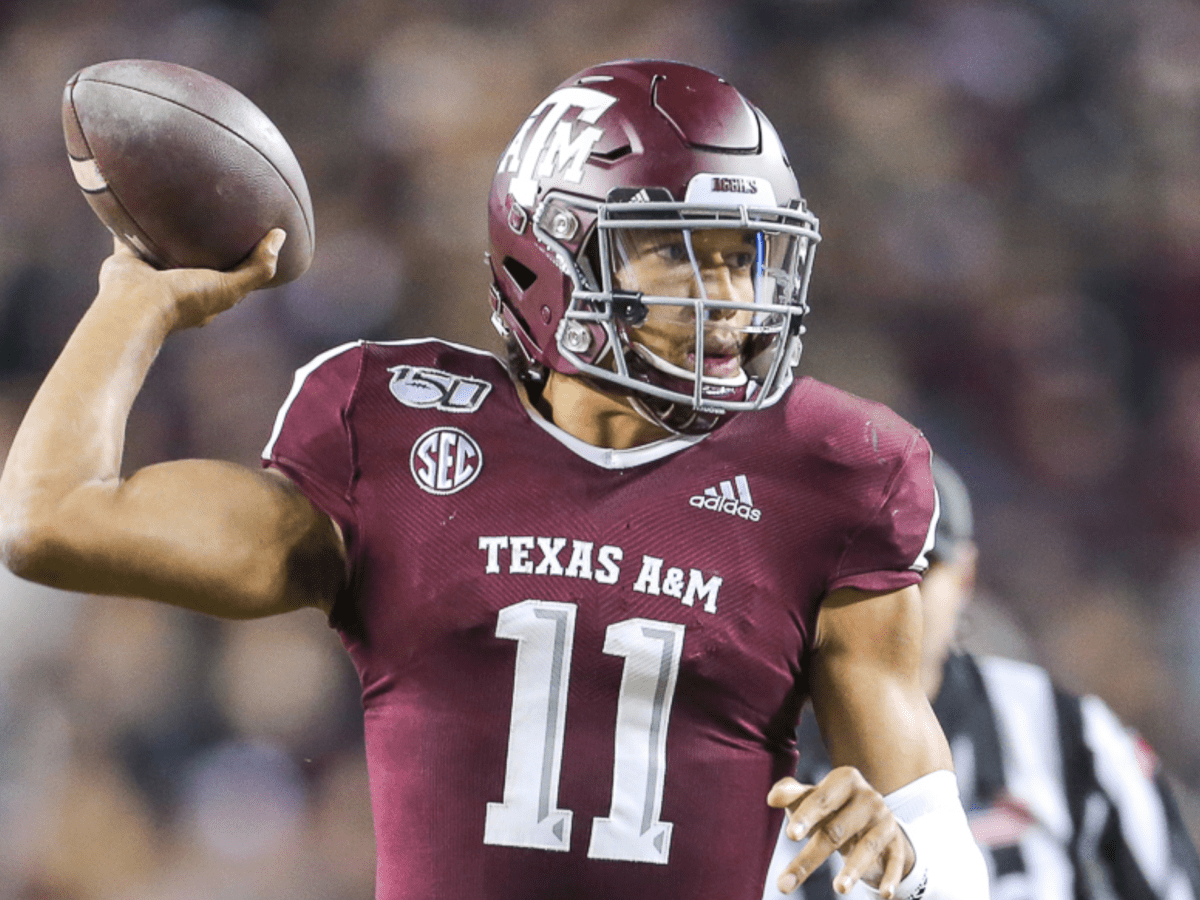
<point x="643" y="206"/>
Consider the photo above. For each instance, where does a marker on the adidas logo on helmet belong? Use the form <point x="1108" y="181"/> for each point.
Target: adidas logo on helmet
<point x="732" y="497"/>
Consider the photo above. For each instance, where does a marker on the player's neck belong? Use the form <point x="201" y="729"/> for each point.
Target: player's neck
<point x="600" y="419"/>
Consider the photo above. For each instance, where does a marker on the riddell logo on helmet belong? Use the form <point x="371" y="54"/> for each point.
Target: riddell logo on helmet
<point x="724" y="498"/>
<point x="723" y="184"/>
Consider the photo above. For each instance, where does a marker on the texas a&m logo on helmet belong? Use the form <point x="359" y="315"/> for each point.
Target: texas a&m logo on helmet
<point x="554" y="148"/>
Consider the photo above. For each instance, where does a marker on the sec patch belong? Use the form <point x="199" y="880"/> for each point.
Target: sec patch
<point x="445" y="460"/>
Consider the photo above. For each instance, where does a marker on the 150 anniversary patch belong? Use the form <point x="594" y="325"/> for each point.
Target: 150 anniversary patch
<point x="424" y="388"/>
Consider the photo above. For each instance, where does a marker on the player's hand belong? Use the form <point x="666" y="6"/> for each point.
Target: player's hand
<point x="844" y="813"/>
<point x="189" y="297"/>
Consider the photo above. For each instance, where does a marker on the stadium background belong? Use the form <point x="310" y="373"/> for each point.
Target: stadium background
<point x="1010" y="198"/>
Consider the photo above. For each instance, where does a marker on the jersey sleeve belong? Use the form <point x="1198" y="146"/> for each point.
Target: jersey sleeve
<point x="889" y="551"/>
<point x="312" y="441"/>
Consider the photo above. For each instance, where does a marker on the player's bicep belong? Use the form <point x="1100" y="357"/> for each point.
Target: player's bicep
<point x="211" y="536"/>
<point x="866" y="688"/>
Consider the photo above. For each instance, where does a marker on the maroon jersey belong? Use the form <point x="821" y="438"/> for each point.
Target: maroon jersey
<point x="582" y="668"/>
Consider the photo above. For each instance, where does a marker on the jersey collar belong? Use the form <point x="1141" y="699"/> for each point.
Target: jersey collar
<point x="616" y="459"/>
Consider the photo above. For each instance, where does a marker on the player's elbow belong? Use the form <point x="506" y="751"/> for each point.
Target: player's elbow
<point x="47" y="541"/>
<point x="27" y="543"/>
<point x="30" y="522"/>
<point x="14" y="547"/>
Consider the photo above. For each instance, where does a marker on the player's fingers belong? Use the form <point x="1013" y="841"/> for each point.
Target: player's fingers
<point x="121" y="264"/>
<point x="866" y="855"/>
<point x="122" y="251"/>
<point x="787" y="791"/>
<point x="893" y="872"/>
<point x="829" y="795"/>
<point x="860" y="813"/>
<point x="259" y="267"/>
<point x="251" y="273"/>
<point x="202" y="294"/>
<point x="839" y="830"/>
<point x="812" y="854"/>
<point x="214" y="297"/>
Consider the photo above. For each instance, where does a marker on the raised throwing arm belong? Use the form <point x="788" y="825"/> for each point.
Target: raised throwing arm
<point x="210" y="536"/>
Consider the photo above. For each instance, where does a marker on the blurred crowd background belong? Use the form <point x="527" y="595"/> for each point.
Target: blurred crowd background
<point x="1009" y="192"/>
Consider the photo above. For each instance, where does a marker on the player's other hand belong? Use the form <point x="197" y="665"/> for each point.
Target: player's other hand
<point x="844" y="813"/>
<point x="188" y="297"/>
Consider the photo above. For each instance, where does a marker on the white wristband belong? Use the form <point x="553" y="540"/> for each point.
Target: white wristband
<point x="948" y="864"/>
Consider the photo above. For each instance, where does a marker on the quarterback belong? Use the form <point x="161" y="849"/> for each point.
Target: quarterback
<point x="587" y="588"/>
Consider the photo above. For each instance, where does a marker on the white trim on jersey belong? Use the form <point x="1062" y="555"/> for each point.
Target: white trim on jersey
<point x="617" y="459"/>
<point x="600" y="456"/>
<point x="407" y="342"/>
<point x="297" y="383"/>
<point x="921" y="563"/>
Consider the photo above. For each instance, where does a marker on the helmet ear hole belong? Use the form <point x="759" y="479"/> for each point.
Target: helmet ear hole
<point x="523" y="277"/>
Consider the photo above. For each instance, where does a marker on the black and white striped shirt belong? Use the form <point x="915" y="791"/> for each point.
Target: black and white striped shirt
<point x="1066" y="803"/>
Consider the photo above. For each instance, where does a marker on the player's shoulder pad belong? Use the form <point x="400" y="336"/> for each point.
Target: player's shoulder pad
<point x="324" y="383"/>
<point x="435" y="353"/>
<point x="841" y="424"/>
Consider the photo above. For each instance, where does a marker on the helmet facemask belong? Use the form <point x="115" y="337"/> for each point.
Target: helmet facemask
<point x="691" y="309"/>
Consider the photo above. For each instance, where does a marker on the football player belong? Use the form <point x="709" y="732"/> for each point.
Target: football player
<point x="587" y="591"/>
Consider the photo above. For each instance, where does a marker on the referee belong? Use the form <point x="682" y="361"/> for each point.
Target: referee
<point x="1066" y="803"/>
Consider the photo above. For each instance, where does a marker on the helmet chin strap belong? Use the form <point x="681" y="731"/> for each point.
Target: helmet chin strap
<point x="676" y="418"/>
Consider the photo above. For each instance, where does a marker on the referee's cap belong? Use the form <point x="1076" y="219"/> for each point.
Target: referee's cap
<point x="955" y="525"/>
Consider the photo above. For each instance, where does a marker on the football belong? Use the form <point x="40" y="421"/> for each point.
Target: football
<point x="183" y="168"/>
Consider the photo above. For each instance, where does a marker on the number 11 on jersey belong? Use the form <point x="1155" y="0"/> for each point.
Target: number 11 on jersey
<point x="529" y="816"/>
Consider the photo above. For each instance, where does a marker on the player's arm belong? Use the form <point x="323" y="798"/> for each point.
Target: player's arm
<point x="890" y="806"/>
<point x="210" y="536"/>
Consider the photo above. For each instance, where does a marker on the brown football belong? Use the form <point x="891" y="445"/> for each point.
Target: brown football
<point x="183" y="168"/>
